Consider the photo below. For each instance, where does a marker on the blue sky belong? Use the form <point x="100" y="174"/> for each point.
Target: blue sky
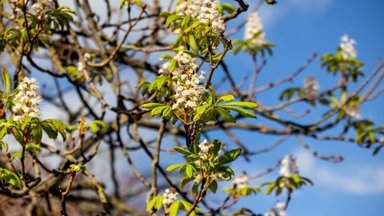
<point x="299" y="28"/>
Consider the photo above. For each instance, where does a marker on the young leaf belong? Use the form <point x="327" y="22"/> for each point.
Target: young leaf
<point x="173" y="167"/>
<point x="97" y="125"/>
<point x="3" y="144"/>
<point x="8" y="177"/>
<point x="153" y="203"/>
<point x="182" y="151"/>
<point x="240" y="110"/>
<point x="225" y="115"/>
<point x="229" y="156"/>
<point x="270" y="188"/>
<point x="174" y="208"/>
<point x="6" y="80"/>
<point x="192" y="43"/>
<point x="151" y="105"/>
<point x="213" y="186"/>
<point x="226" y="98"/>
<point x="249" y="105"/>
<point x="189" y="170"/>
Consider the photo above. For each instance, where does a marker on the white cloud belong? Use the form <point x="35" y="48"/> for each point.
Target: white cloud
<point x="360" y="179"/>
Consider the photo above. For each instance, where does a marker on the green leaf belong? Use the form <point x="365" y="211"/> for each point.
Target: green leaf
<point x="249" y="105"/>
<point x="172" y="65"/>
<point x="228" y="7"/>
<point x="97" y="125"/>
<point x="61" y="127"/>
<point x="200" y="111"/>
<point x="225" y="115"/>
<point x="153" y="203"/>
<point x="378" y="149"/>
<point x="8" y="177"/>
<point x="184" y="181"/>
<point x="77" y="167"/>
<point x="170" y="19"/>
<point x="151" y="105"/>
<point x="174" y="208"/>
<point x="189" y="170"/>
<point x="48" y="127"/>
<point x="240" y="110"/>
<point x="226" y="98"/>
<point x="192" y="43"/>
<point x="3" y="131"/>
<point x="229" y="156"/>
<point x="213" y="186"/>
<point x="158" y="110"/>
<point x="6" y="80"/>
<point x="173" y="167"/>
<point x="270" y="188"/>
<point x="167" y="113"/>
<point x="36" y="134"/>
<point x="182" y="151"/>
<point x="3" y="145"/>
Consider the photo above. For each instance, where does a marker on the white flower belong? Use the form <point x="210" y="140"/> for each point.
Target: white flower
<point x="205" y="146"/>
<point x="353" y="111"/>
<point x="241" y="181"/>
<point x="278" y="210"/>
<point x="169" y="196"/>
<point x="188" y="91"/>
<point x="43" y="6"/>
<point x="311" y="86"/>
<point x="198" y="178"/>
<point x="164" y="68"/>
<point x="289" y="166"/>
<point x="254" y="30"/>
<point x="27" y="100"/>
<point x="80" y="66"/>
<point x="270" y="213"/>
<point x="347" y="46"/>
<point x="209" y="14"/>
<point x="280" y="205"/>
<point x="207" y="11"/>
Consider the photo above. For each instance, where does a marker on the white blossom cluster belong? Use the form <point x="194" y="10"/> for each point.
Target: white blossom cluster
<point x="311" y="86"/>
<point x="169" y="197"/>
<point x="188" y="90"/>
<point x="207" y="11"/>
<point x="254" y="26"/>
<point x="241" y="181"/>
<point x="278" y="210"/>
<point x="347" y="46"/>
<point x="186" y="7"/>
<point x="26" y="100"/>
<point x="205" y="146"/>
<point x="289" y="166"/>
<point x="164" y="68"/>
<point x="209" y="14"/>
<point x="353" y="111"/>
<point x="184" y="59"/>
<point x="42" y="6"/>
